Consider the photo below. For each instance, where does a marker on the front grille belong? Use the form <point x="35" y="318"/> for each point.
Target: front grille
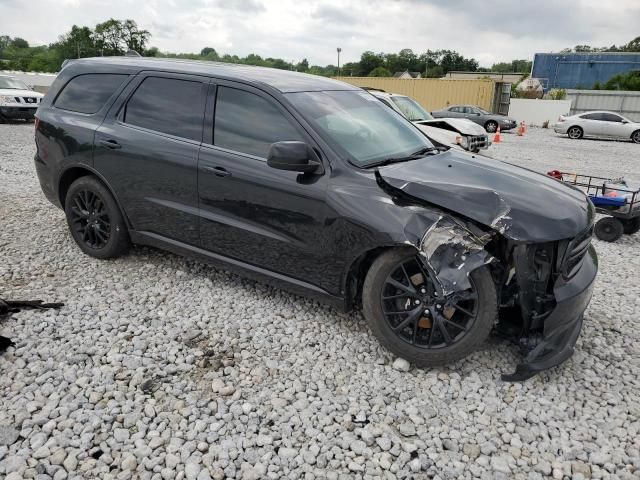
<point x="576" y="251"/>
<point x="478" y="141"/>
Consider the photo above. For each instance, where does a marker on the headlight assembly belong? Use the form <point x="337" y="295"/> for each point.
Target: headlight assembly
<point x="7" y="99"/>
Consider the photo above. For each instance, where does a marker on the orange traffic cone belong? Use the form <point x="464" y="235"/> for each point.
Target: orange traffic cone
<point x="524" y="128"/>
<point x="496" y="137"/>
<point x="521" y="129"/>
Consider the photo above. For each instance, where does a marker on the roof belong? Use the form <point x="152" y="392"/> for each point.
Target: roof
<point x="411" y="74"/>
<point x="282" y="80"/>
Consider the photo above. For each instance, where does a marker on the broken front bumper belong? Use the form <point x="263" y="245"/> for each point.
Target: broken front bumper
<point x="562" y="326"/>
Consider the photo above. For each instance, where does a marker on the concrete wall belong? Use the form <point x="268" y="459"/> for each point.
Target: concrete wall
<point x="433" y="93"/>
<point x="536" y="112"/>
<point x="624" y="103"/>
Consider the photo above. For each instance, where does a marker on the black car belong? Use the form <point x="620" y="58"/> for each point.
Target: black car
<point x="317" y="186"/>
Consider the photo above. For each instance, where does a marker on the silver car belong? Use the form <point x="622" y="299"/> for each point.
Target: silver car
<point x="488" y="120"/>
<point x="598" y="124"/>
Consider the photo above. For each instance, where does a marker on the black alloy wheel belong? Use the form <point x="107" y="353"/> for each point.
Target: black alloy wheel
<point x="409" y="315"/>
<point x="95" y="220"/>
<point x="417" y="314"/>
<point x="89" y="219"/>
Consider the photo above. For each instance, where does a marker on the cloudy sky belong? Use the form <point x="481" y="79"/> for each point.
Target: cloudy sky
<point x="490" y="31"/>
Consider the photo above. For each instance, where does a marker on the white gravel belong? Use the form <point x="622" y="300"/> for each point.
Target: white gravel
<point x="160" y="367"/>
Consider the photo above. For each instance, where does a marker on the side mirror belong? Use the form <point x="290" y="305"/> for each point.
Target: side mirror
<point x="292" y="156"/>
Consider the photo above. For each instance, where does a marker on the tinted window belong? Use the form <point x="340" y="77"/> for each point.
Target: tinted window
<point x="167" y="105"/>
<point x="88" y="93"/>
<point x="592" y="116"/>
<point x="248" y="123"/>
<point x="456" y="109"/>
<point x="611" y="117"/>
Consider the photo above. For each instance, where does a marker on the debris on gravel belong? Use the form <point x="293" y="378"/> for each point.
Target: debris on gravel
<point x="161" y="367"/>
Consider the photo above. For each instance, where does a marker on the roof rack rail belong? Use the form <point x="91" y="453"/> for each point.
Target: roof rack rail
<point x="371" y="88"/>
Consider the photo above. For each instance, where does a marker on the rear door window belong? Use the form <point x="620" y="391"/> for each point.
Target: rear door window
<point x="168" y="105"/>
<point x="88" y="93"/>
<point x="592" y="116"/>
<point x="248" y="123"/>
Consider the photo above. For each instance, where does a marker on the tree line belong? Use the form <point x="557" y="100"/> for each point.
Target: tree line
<point x="116" y="37"/>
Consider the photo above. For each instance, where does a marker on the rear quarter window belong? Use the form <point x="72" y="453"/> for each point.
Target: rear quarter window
<point x="88" y="93"/>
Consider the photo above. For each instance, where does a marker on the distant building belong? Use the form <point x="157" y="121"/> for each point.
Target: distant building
<point x="407" y="74"/>
<point x="509" y="77"/>
<point x="581" y="70"/>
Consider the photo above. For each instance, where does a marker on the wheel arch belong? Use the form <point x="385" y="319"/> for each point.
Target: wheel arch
<point x="354" y="278"/>
<point x="73" y="173"/>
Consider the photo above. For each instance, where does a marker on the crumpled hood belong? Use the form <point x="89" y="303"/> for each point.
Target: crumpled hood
<point x="462" y="125"/>
<point x="12" y="92"/>
<point x="523" y="205"/>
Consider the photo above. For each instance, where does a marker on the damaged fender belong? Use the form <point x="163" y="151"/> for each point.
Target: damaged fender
<point x="451" y="252"/>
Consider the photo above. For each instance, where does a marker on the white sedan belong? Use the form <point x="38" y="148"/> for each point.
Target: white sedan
<point x="598" y="124"/>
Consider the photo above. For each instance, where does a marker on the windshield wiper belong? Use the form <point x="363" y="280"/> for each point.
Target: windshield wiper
<point x="414" y="156"/>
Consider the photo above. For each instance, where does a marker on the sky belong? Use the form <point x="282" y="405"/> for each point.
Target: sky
<point x="489" y="31"/>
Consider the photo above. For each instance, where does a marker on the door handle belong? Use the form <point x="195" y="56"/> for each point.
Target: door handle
<point x="112" y="144"/>
<point x="217" y="171"/>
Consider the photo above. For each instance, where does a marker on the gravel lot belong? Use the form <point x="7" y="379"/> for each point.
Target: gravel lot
<point x="162" y="367"/>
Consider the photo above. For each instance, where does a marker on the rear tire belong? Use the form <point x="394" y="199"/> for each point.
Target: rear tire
<point x="491" y="126"/>
<point x="635" y="136"/>
<point x="95" y="220"/>
<point x="465" y="329"/>
<point x="575" y="133"/>
<point x="609" y="229"/>
<point x="631" y="225"/>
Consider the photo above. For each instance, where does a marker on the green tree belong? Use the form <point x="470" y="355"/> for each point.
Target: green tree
<point x="206" y="51"/>
<point x="629" y="81"/>
<point x="303" y="65"/>
<point x="18" y="42"/>
<point x="133" y="37"/>
<point x="380" y="72"/>
<point x="369" y="61"/>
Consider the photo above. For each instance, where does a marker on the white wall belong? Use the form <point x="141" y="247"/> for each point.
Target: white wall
<point x="536" y="112"/>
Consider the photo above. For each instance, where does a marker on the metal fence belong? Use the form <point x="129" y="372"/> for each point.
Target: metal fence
<point x="624" y="103"/>
<point x="435" y="93"/>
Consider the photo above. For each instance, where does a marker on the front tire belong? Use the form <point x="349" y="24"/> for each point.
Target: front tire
<point x="95" y="220"/>
<point x="491" y="126"/>
<point x="635" y="136"/>
<point x="404" y="313"/>
<point x="609" y="229"/>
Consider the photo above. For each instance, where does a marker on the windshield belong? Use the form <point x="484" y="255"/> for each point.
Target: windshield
<point x="411" y="109"/>
<point x="359" y="126"/>
<point x="13" y="83"/>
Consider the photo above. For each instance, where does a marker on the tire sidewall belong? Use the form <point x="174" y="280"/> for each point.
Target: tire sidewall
<point x="576" y="137"/>
<point x="372" y="309"/>
<point x="491" y="122"/>
<point x="635" y="137"/>
<point x="118" y="235"/>
<point x="609" y="223"/>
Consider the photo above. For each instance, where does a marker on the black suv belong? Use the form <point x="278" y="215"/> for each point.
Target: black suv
<point x="316" y="185"/>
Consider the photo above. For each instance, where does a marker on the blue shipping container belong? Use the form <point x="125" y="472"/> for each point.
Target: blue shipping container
<point x="581" y="70"/>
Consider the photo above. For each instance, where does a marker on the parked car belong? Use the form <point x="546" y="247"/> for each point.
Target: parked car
<point x="598" y="124"/>
<point x="450" y="132"/>
<point x="17" y="99"/>
<point x="316" y="186"/>
<point x="488" y="120"/>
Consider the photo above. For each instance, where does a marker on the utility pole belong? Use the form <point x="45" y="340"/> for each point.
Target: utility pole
<point x="339" y="50"/>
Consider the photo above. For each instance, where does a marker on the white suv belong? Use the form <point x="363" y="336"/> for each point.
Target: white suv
<point x="17" y="99"/>
<point x="450" y="132"/>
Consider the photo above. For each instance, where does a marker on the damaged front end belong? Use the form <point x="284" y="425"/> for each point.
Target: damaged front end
<point x="543" y="285"/>
<point x="543" y="288"/>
